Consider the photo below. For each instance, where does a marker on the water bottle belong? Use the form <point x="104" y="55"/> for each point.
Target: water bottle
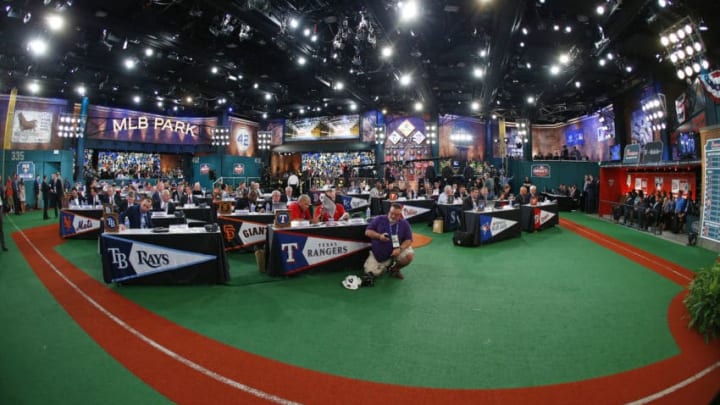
<point x="127" y="223"/>
<point x="252" y="207"/>
<point x="367" y="212"/>
<point x="267" y="207"/>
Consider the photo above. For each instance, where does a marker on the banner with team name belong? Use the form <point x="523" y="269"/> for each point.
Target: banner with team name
<point x="409" y="211"/>
<point x="240" y="233"/>
<point x="131" y="259"/>
<point x="541" y="217"/>
<point x="353" y="203"/>
<point x="300" y="252"/>
<point x="73" y="224"/>
<point x="491" y="227"/>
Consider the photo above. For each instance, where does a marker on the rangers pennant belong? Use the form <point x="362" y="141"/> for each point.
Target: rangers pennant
<point x="300" y="252"/>
<point x="74" y="224"/>
<point x="130" y="259"/>
<point x="410" y="211"/>
<point x="490" y="226"/>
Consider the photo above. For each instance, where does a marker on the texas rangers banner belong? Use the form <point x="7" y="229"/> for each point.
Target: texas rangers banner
<point x="240" y="233"/>
<point x="491" y="227"/>
<point x="353" y="203"/>
<point x="72" y="224"/>
<point x="300" y="252"/>
<point x="711" y="84"/>
<point x="542" y="217"/>
<point x="131" y="259"/>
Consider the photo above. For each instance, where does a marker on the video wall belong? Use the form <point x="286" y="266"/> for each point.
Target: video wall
<point x="131" y="165"/>
<point x="34" y="123"/>
<point x="587" y="138"/>
<point x="341" y="127"/>
<point x="332" y="165"/>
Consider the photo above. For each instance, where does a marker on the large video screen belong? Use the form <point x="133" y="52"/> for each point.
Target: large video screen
<point x="342" y="127"/>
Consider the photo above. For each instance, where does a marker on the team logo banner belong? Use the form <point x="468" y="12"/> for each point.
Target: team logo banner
<point x="241" y="233"/>
<point x="74" y="224"/>
<point x="542" y="217"/>
<point x="352" y="203"/>
<point x="491" y="227"/>
<point x="410" y="211"/>
<point x="300" y="252"/>
<point x="131" y="259"/>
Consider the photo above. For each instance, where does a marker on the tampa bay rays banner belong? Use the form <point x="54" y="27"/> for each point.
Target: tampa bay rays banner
<point x="541" y="217"/>
<point x="300" y="252"/>
<point x="240" y="233"/>
<point x="491" y="227"/>
<point x="353" y="203"/>
<point x="73" y="224"/>
<point x="131" y="259"/>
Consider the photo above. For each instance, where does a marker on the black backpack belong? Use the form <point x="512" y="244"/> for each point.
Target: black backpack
<point x="462" y="238"/>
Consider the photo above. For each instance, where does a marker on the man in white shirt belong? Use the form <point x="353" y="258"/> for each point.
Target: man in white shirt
<point x="293" y="181"/>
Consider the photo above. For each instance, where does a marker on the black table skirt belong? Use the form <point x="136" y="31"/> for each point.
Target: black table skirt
<point x="538" y="217"/>
<point x="451" y="216"/>
<point x="242" y="231"/>
<point x="493" y="226"/>
<point x="166" y="258"/>
<point x="293" y="250"/>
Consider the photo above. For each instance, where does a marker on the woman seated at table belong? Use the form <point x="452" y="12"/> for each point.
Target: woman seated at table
<point x="330" y="210"/>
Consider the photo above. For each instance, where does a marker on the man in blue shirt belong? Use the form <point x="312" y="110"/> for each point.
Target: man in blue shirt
<point x="391" y="239"/>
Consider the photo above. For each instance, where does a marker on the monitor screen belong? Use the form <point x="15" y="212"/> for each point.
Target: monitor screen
<point x="615" y="152"/>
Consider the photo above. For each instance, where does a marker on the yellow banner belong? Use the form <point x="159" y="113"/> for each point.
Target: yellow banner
<point x="7" y="141"/>
<point x="502" y="146"/>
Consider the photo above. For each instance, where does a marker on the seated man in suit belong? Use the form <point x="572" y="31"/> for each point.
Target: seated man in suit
<point x="129" y="201"/>
<point x="139" y="216"/>
<point x="276" y="202"/>
<point x="164" y="204"/>
<point x="472" y="202"/>
<point x="523" y="197"/>
<point x="288" y="196"/>
<point x="76" y="200"/>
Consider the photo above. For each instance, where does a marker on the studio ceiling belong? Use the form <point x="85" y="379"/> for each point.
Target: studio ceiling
<point x="463" y="57"/>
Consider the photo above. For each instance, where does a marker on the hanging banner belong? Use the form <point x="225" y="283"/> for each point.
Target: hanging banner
<point x="711" y="84"/>
<point x="632" y="154"/>
<point x="653" y="152"/>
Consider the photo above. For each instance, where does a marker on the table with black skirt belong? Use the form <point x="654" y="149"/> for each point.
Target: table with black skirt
<point x="452" y="215"/>
<point x="340" y="246"/>
<point x="199" y="214"/>
<point x="244" y="230"/>
<point x="414" y="211"/>
<point x="564" y="202"/>
<point x="161" y="219"/>
<point x="538" y="217"/>
<point x="493" y="225"/>
<point x="145" y="256"/>
<point x="80" y="222"/>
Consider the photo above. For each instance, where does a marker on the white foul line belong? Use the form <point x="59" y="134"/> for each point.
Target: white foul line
<point x="209" y="373"/>
<point x="676" y="387"/>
